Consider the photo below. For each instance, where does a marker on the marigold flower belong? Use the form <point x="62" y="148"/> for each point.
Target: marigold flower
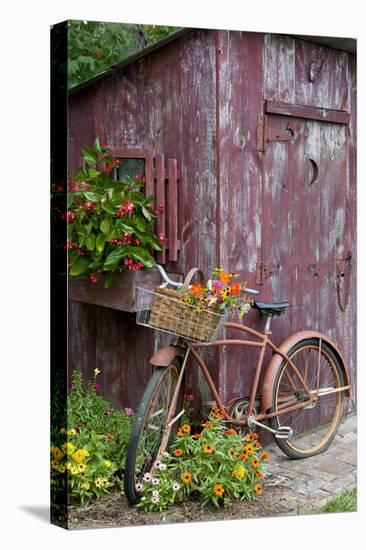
<point x="224" y="277"/>
<point x="264" y="455"/>
<point x="208" y="449"/>
<point x="258" y="489"/>
<point x="177" y="452"/>
<point x="80" y="455"/>
<point x="186" y="477"/>
<point x="196" y="290"/>
<point x="218" y="490"/>
<point x="230" y="431"/>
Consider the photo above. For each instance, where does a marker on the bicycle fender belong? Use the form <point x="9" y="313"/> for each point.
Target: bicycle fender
<point x="275" y="362"/>
<point x="164" y="356"/>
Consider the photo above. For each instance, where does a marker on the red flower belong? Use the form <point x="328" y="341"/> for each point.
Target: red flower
<point x="93" y="278"/>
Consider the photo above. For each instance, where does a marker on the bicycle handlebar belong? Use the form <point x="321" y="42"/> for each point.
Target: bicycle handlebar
<point x="178" y="285"/>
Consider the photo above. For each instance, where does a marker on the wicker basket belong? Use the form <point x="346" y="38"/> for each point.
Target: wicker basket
<point x="170" y="314"/>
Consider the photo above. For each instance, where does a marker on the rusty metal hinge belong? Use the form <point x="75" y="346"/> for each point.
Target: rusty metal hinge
<point x="265" y="272"/>
<point x="265" y="134"/>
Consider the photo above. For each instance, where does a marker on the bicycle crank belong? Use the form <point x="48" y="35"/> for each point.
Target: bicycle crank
<point x="283" y="432"/>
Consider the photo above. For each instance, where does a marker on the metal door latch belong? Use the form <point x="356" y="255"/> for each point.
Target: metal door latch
<point x="265" y="134"/>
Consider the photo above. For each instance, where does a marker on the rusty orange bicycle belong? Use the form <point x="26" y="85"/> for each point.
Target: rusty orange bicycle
<point x="300" y="400"/>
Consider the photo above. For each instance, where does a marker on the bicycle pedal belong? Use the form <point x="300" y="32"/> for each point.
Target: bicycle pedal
<point x="284" y="432"/>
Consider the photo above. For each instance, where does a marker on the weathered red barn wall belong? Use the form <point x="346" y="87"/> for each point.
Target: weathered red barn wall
<point x="198" y="99"/>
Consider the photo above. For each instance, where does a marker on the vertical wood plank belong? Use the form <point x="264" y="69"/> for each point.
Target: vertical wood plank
<point x="173" y="210"/>
<point x="160" y="200"/>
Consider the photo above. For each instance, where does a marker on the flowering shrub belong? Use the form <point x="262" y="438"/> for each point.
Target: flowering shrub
<point x="110" y="223"/>
<point x="220" y="293"/>
<point x="217" y="465"/>
<point x="87" y="455"/>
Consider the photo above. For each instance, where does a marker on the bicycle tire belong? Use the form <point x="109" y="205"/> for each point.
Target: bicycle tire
<point x="160" y="378"/>
<point x="309" y="423"/>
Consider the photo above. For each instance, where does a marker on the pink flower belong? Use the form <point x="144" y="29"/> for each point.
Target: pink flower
<point x="189" y="397"/>
<point x="93" y="278"/>
<point x="128" y="411"/>
<point x="161" y="238"/>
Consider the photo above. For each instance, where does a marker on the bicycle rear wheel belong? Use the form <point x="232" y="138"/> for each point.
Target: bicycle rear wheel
<point x="316" y="425"/>
<point x="150" y="436"/>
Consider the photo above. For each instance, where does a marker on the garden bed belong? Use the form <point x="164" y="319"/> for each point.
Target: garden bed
<point x="115" y="511"/>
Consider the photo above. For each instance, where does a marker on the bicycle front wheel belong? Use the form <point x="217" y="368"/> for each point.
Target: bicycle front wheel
<point x="150" y="436"/>
<point x="316" y="425"/>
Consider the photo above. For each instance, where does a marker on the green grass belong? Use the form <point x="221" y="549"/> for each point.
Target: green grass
<point x="345" y="501"/>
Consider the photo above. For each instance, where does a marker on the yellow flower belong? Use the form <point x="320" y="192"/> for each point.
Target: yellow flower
<point x="63" y="431"/>
<point x="208" y="449"/>
<point x="85" y="486"/>
<point x="81" y="468"/>
<point x="107" y="463"/>
<point x="68" y="447"/>
<point x="74" y="470"/>
<point x="255" y="463"/>
<point x="240" y="472"/>
<point x="72" y="431"/>
<point x="61" y="468"/>
<point x="57" y="454"/>
<point x="101" y="482"/>
<point x="249" y="449"/>
<point x="186" y="428"/>
<point x="258" y="489"/>
<point x="96" y="372"/>
<point x="80" y="455"/>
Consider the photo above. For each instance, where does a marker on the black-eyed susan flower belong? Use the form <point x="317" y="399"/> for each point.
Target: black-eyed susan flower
<point x="258" y="490"/>
<point x="208" y="449"/>
<point x="186" y="428"/>
<point x="255" y="462"/>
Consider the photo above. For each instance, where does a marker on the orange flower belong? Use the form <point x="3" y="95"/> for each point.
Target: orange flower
<point x="218" y="490"/>
<point x="197" y="436"/>
<point x="186" y="477"/>
<point x="217" y="413"/>
<point x="264" y="455"/>
<point x="258" y="474"/>
<point x="235" y="289"/>
<point x="244" y="456"/>
<point x="255" y="463"/>
<point x="207" y="424"/>
<point x="196" y="290"/>
<point x="186" y="428"/>
<point x="177" y="452"/>
<point x="208" y="449"/>
<point x="180" y="433"/>
<point x="258" y="489"/>
<point x="225" y="278"/>
<point x="254" y="436"/>
<point x="230" y="431"/>
<point x="249" y="449"/>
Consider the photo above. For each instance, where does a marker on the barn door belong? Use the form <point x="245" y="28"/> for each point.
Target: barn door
<point x="303" y="257"/>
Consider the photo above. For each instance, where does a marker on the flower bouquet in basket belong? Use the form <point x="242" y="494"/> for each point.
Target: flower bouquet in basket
<point x="197" y="311"/>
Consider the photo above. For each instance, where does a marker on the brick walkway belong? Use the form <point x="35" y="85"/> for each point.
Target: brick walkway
<point x="311" y="482"/>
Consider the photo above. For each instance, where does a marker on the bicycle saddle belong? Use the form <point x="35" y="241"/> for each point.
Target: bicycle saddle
<point x="271" y="308"/>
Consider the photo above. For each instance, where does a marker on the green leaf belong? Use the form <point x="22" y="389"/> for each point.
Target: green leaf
<point x="97" y="146"/>
<point x="110" y="280"/>
<point x="90" y="156"/>
<point x="114" y="257"/>
<point x="90" y="242"/>
<point x="105" y="226"/>
<point x="79" y="267"/>
<point x="93" y="173"/>
<point x="142" y="255"/>
<point x="146" y="213"/>
<point x="100" y="242"/>
<point x="108" y="207"/>
<point x="91" y="196"/>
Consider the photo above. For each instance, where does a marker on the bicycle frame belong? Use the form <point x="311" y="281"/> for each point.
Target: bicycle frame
<point x="262" y="344"/>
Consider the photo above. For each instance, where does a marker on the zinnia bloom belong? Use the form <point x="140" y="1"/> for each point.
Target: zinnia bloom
<point x="255" y="463"/>
<point x="196" y="290"/>
<point x="264" y="455"/>
<point x="235" y="289"/>
<point x="207" y="424"/>
<point x="225" y="277"/>
<point x="230" y="431"/>
<point x="249" y="449"/>
<point x="218" y="490"/>
<point x="258" y="489"/>
<point x="186" y="477"/>
<point x="208" y="449"/>
<point x="177" y="452"/>
<point x="186" y="428"/>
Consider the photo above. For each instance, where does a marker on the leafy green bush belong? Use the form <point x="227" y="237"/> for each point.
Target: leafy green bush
<point x="88" y="454"/>
<point x="217" y="465"/>
<point x="110" y="222"/>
